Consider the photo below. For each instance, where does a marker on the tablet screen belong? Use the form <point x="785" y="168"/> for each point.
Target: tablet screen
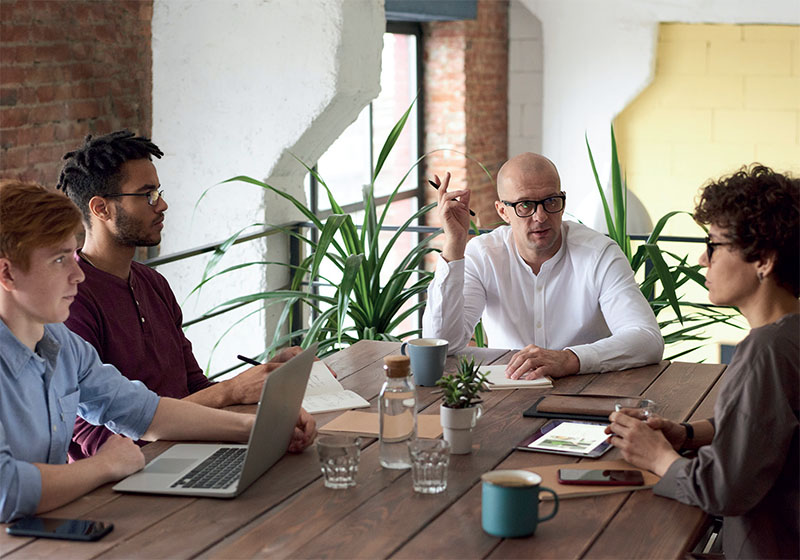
<point x="584" y="439"/>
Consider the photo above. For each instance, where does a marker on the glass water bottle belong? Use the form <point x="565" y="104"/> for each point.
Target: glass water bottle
<point x="397" y="407"/>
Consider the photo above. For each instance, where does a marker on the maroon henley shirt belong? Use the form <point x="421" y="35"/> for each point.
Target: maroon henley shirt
<point x="135" y="325"/>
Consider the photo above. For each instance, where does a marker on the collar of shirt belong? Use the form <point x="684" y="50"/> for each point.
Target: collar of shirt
<point x="549" y="263"/>
<point x="16" y="355"/>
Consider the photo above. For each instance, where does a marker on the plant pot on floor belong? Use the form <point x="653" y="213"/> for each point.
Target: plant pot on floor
<point x="457" y="424"/>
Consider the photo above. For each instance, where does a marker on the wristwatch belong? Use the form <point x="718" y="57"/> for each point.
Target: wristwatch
<point x="689" y="431"/>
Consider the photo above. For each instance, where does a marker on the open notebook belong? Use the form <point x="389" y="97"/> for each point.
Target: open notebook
<point x="499" y="381"/>
<point x="325" y="394"/>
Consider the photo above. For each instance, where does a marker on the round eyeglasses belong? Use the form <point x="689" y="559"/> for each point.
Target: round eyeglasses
<point x="525" y="208"/>
<point x="152" y="196"/>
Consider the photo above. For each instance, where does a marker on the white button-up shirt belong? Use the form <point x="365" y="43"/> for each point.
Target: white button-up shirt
<point x="584" y="299"/>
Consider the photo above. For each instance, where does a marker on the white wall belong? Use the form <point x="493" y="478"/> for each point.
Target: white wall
<point x="237" y="85"/>
<point x="598" y="56"/>
<point x="525" y="80"/>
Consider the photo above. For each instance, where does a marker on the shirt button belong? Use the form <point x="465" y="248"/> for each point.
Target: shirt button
<point x="142" y="319"/>
<point x="55" y="428"/>
<point x="539" y="325"/>
<point x="539" y="288"/>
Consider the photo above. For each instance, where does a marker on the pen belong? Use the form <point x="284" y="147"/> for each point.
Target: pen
<point x="247" y="360"/>
<point x="435" y="186"/>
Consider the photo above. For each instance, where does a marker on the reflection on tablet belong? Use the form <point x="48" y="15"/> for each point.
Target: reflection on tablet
<point x="568" y="437"/>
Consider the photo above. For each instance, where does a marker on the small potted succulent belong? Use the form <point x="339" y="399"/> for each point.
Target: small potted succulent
<point x="461" y="407"/>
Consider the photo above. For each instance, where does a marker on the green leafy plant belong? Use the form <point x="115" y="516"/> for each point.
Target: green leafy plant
<point x="460" y="390"/>
<point x="370" y="299"/>
<point x="664" y="272"/>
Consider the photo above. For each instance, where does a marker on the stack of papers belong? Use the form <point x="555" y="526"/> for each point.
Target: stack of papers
<point x="325" y="394"/>
<point x="497" y="376"/>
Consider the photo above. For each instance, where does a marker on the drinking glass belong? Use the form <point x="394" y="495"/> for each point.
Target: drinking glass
<point x="429" y="461"/>
<point x="645" y="406"/>
<point x="338" y="459"/>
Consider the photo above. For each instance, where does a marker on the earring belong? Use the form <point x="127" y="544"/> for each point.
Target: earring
<point x="760" y="276"/>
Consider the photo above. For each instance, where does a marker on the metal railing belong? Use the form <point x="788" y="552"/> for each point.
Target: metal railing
<point x="295" y="258"/>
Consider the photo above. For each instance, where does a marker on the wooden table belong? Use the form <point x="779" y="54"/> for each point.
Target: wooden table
<point x="288" y="513"/>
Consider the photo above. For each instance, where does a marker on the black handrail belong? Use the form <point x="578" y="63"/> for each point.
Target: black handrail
<point x="295" y="246"/>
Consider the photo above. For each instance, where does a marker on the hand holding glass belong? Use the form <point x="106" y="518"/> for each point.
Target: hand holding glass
<point x="637" y="407"/>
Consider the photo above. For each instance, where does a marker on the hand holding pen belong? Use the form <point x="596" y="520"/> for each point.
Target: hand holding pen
<point x="454" y="214"/>
<point x="283" y="356"/>
<point x="436" y="186"/>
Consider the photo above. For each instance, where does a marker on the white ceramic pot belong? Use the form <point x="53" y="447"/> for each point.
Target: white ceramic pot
<point x="457" y="424"/>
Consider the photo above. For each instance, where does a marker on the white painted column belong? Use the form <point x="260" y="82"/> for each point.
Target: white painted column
<point x="237" y="86"/>
<point x="525" y="80"/>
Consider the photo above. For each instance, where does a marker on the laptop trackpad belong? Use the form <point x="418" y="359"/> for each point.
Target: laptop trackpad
<point x="169" y="466"/>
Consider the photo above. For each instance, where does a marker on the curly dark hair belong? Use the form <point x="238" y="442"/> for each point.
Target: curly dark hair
<point x="760" y="209"/>
<point x="95" y="168"/>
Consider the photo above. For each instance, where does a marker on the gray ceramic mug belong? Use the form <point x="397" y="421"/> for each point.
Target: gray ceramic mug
<point x="427" y="359"/>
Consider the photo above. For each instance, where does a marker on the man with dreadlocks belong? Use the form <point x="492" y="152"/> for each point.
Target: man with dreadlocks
<point x="124" y="309"/>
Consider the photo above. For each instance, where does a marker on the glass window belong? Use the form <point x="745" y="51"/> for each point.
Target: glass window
<point x="348" y="164"/>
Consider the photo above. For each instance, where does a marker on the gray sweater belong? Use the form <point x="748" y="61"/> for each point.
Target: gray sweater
<point x="749" y="473"/>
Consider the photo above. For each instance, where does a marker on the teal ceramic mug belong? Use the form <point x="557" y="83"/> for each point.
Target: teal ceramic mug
<point x="510" y="503"/>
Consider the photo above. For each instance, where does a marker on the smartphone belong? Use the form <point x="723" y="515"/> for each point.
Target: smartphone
<point x="603" y="477"/>
<point x="67" y="529"/>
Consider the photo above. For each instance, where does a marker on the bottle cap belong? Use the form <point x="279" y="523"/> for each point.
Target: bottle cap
<point x="397" y="366"/>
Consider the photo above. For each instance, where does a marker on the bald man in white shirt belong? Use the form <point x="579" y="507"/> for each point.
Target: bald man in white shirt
<point x="560" y="292"/>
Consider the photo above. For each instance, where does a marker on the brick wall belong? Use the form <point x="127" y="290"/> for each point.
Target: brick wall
<point x="67" y="69"/>
<point x="466" y="96"/>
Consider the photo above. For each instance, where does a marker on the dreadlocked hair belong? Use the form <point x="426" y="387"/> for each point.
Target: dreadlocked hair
<point x="95" y="168"/>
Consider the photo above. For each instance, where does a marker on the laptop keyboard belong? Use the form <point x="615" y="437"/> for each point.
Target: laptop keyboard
<point x="218" y="471"/>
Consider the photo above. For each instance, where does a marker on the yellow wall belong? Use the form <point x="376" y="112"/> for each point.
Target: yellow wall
<point x="722" y="96"/>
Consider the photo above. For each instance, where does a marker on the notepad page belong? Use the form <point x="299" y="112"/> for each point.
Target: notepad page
<point x="325" y="394"/>
<point x="321" y="381"/>
<point x="343" y="400"/>
<point x="497" y="376"/>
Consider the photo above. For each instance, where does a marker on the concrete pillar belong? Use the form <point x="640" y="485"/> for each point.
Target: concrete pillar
<point x="237" y="86"/>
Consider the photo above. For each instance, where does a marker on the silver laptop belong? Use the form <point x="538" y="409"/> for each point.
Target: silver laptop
<point x="223" y="470"/>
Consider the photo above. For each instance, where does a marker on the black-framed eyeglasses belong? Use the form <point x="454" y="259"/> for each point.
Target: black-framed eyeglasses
<point x="711" y="245"/>
<point x="152" y="196"/>
<point x="525" y="208"/>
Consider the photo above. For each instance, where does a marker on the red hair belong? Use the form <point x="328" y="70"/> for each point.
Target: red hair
<point x="32" y="217"/>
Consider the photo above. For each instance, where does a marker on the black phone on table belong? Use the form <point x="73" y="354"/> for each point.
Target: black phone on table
<point x="67" y="529"/>
<point x="607" y="477"/>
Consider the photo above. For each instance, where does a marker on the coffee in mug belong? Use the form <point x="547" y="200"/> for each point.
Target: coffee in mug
<point x="510" y="503"/>
<point x="428" y="356"/>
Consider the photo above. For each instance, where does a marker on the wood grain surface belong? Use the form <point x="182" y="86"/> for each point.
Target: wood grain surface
<point x="288" y="513"/>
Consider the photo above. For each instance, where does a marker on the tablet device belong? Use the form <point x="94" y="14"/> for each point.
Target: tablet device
<point x="568" y="437"/>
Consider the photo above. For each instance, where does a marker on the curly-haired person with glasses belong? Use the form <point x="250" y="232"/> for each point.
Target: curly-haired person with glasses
<point x="560" y="293"/>
<point x="747" y="463"/>
<point x="127" y="310"/>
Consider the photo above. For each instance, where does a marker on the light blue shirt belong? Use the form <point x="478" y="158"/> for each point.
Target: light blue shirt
<point x="40" y="395"/>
